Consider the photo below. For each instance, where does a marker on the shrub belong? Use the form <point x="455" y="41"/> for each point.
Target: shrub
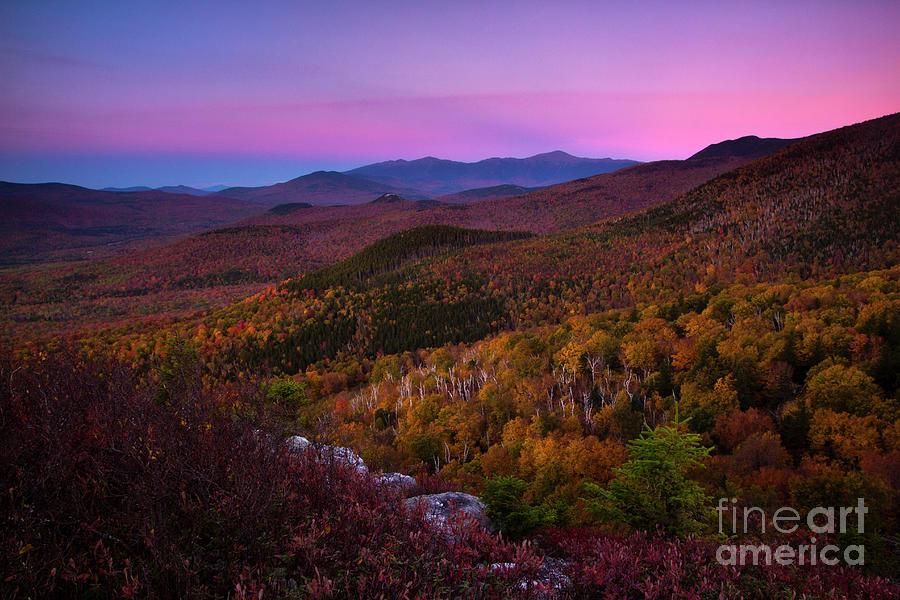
<point x="649" y="565"/>
<point x="110" y="493"/>
<point x="287" y="393"/>
<point x="504" y="497"/>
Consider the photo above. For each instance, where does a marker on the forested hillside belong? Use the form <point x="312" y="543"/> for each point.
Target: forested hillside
<point x="56" y="222"/>
<point x="721" y="233"/>
<point x="231" y="263"/>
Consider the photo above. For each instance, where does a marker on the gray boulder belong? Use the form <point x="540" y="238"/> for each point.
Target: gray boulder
<point x="296" y="443"/>
<point x="344" y="456"/>
<point x="441" y="508"/>
<point x="326" y="453"/>
<point x="398" y="480"/>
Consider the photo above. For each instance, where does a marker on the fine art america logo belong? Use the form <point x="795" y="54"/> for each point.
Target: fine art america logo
<point x="822" y="521"/>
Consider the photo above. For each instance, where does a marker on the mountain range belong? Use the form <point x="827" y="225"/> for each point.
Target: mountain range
<point x="428" y="178"/>
<point x="262" y="247"/>
<point x="425" y="178"/>
<point x="441" y="177"/>
<point x="171" y="189"/>
<point x="825" y="206"/>
<point x="450" y="181"/>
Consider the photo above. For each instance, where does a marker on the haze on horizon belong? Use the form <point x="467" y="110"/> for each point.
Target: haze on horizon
<point x="102" y="93"/>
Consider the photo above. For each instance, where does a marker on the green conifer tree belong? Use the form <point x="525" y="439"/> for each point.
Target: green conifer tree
<point x="652" y="490"/>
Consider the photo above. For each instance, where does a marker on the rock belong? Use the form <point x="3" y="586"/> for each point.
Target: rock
<point x="296" y="443"/>
<point x="338" y="454"/>
<point x="549" y="578"/>
<point x="342" y="455"/>
<point x="551" y="574"/>
<point x="440" y="508"/>
<point x="399" y="480"/>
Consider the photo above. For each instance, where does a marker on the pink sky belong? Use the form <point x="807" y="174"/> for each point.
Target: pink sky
<point x="304" y="86"/>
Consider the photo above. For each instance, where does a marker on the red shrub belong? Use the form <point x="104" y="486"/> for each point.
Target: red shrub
<point x="111" y="492"/>
<point x="651" y="566"/>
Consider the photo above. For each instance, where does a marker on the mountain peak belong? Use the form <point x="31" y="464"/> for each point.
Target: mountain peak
<point x="744" y="147"/>
<point x="322" y="188"/>
<point x="388" y="198"/>
<point x="555" y="154"/>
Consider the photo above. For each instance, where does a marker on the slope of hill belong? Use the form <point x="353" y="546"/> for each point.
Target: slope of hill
<point x="322" y="188"/>
<point x="230" y="263"/>
<point x="390" y="253"/>
<point x="584" y="201"/>
<point x="286" y="209"/>
<point x="442" y="177"/>
<point x="486" y="193"/>
<point x="763" y="302"/>
<point x="826" y="206"/>
<point x="62" y="222"/>
<point x="388" y="198"/>
<point x="214" y="268"/>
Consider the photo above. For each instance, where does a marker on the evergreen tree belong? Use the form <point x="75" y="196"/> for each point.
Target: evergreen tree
<point x="652" y="490"/>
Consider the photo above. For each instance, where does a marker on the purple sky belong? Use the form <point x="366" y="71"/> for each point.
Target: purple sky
<point x="155" y="93"/>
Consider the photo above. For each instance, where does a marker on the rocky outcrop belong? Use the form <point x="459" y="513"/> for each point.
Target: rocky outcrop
<point x="337" y="454"/>
<point x="296" y="443"/>
<point x="344" y="456"/>
<point x="439" y="509"/>
<point x="551" y="575"/>
<point x="398" y="480"/>
<point x="549" y="579"/>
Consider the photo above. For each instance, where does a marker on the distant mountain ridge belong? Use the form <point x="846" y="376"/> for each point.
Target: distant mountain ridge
<point x="322" y="188"/>
<point x="778" y="216"/>
<point x="184" y="189"/>
<point x="120" y="190"/>
<point x="422" y="179"/>
<point x="169" y="189"/>
<point x="60" y="221"/>
<point x="442" y="177"/>
<point x="451" y="181"/>
<point x="749" y="146"/>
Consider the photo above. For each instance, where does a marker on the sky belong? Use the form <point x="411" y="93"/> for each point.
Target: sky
<point x="112" y="93"/>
